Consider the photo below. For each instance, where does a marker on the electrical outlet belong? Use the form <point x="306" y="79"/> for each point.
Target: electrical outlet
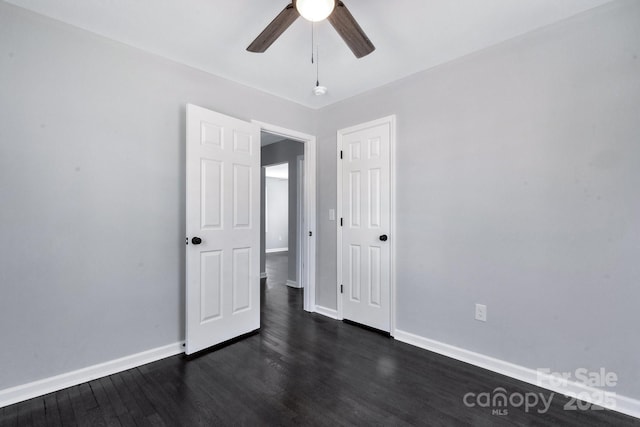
<point x="481" y="312"/>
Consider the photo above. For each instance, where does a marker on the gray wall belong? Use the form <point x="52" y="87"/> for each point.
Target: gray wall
<point x="92" y="193"/>
<point x="276" y="153"/>
<point x="517" y="187"/>
<point x="276" y="213"/>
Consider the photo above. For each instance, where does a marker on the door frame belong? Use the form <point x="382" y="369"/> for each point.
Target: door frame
<point x="309" y="228"/>
<point x="391" y="120"/>
<point x="300" y="240"/>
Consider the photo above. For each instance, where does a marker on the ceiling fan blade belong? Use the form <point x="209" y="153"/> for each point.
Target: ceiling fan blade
<point x="350" y="31"/>
<point x="270" y="34"/>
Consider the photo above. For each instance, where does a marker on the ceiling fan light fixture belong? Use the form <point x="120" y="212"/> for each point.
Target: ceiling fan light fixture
<point x="315" y="10"/>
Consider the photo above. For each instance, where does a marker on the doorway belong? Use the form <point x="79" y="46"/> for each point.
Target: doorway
<point x="297" y="150"/>
<point x="280" y="233"/>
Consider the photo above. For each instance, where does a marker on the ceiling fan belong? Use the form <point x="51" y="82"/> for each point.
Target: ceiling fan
<point x="334" y="10"/>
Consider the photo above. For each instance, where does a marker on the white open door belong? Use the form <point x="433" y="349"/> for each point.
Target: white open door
<point x="223" y="228"/>
<point x="365" y="234"/>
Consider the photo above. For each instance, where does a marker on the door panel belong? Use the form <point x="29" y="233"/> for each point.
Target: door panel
<point x="210" y="285"/>
<point x="241" y="196"/>
<point x="223" y="204"/>
<point x="354" y="284"/>
<point x="212" y="204"/>
<point x="241" y="279"/>
<point x="374" y="198"/>
<point x="366" y="209"/>
<point x="354" y="201"/>
<point x="374" y="264"/>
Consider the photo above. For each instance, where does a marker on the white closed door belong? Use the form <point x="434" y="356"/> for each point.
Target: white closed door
<point x="223" y="228"/>
<point x="365" y="224"/>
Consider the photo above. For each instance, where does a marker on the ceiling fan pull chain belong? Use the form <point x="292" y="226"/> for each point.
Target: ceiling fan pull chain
<point x="317" y="65"/>
<point x="317" y="90"/>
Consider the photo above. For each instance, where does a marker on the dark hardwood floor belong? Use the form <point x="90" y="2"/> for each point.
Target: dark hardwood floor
<point x="301" y="369"/>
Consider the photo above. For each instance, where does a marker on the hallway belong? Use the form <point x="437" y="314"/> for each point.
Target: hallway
<point x="276" y="266"/>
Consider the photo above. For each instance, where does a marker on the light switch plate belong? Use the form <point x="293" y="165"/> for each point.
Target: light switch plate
<point x="481" y="312"/>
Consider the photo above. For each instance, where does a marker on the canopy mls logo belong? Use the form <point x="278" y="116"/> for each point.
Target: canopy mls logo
<point x="499" y="400"/>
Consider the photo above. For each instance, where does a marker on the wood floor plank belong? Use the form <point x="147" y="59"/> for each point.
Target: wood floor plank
<point x="9" y="416"/>
<point x="52" y="412"/>
<point x="65" y="408"/>
<point x="38" y="412"/>
<point x="26" y="410"/>
<point x="119" y="408"/>
<point x="133" y="411"/>
<point x="108" y="411"/>
<point x="146" y="408"/>
<point x="166" y="409"/>
<point x="84" y="405"/>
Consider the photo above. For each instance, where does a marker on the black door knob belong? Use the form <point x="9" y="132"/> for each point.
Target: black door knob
<point x="196" y="240"/>
<point x="384" y="237"/>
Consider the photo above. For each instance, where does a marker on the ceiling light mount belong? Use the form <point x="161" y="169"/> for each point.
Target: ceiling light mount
<point x="315" y="10"/>
<point x="319" y="90"/>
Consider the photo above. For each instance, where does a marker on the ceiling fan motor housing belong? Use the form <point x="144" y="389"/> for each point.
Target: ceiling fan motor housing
<point x="315" y="10"/>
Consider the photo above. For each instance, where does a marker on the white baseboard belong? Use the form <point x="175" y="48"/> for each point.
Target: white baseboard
<point x="270" y="251"/>
<point x="623" y="404"/>
<point x="27" y="391"/>
<point x="292" y="284"/>
<point x="263" y="275"/>
<point x="327" y="312"/>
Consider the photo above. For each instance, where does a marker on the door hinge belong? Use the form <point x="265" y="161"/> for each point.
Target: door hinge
<point x="340" y="153"/>
<point x="341" y="289"/>
<point x="186" y="240"/>
<point x="310" y="233"/>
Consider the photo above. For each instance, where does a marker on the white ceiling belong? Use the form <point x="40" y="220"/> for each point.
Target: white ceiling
<point x="212" y="35"/>
<point x="267" y="138"/>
